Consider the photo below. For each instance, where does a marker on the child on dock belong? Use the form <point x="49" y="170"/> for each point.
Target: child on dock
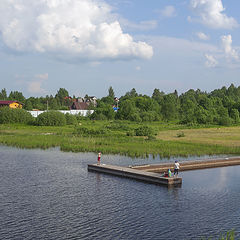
<point x="99" y="158"/>
<point x="176" y="167"/>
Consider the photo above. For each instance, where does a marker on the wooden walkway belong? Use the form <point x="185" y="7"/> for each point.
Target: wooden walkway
<point x="151" y="173"/>
<point x="136" y="174"/>
<point x="190" y="165"/>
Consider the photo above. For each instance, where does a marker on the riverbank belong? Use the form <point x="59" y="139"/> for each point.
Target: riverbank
<point x="112" y="138"/>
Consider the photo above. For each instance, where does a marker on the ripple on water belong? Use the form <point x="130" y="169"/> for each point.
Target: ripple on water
<point x="50" y="195"/>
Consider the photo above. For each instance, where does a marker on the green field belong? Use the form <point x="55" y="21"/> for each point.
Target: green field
<point x="110" y="137"/>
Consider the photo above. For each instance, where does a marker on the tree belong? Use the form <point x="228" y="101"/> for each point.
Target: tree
<point x="128" y="111"/>
<point x="111" y="92"/>
<point x="132" y="93"/>
<point x="28" y="105"/>
<point x="3" y="94"/>
<point x="61" y="94"/>
<point x="234" y="114"/>
<point x="16" y="96"/>
<point x="170" y="107"/>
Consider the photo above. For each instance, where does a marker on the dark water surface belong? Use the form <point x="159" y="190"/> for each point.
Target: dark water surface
<point x="51" y="195"/>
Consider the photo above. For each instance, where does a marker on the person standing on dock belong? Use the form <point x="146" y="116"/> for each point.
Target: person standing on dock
<point x="99" y="158"/>
<point x="176" y="167"/>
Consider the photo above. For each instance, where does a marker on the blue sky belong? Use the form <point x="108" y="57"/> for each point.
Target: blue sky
<point x="86" y="46"/>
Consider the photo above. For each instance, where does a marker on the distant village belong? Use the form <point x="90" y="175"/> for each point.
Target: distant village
<point x="77" y="103"/>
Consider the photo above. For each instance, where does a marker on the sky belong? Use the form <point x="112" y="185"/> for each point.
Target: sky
<point x="86" y="46"/>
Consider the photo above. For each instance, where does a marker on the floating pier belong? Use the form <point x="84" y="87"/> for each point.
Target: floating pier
<point x="190" y="165"/>
<point x="136" y="174"/>
<point x="151" y="173"/>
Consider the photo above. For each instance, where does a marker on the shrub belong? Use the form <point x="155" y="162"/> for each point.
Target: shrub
<point x="131" y="133"/>
<point x="180" y="134"/>
<point x="144" y="131"/>
<point x="10" y="115"/>
<point x="149" y="116"/>
<point x="117" y="126"/>
<point x="83" y="131"/>
<point x="135" y="117"/>
<point x="225" y="121"/>
<point x="71" y="119"/>
<point x="51" y="118"/>
<point x="151" y="138"/>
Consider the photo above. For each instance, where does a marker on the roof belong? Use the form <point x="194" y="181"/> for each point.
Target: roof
<point x="80" y="106"/>
<point x="9" y="102"/>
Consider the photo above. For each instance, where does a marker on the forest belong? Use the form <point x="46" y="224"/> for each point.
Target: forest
<point x="218" y="107"/>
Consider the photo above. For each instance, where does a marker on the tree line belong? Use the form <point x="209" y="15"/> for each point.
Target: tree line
<point x="221" y="106"/>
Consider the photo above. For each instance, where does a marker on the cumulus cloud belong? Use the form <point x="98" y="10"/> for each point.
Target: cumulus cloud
<point x="67" y="29"/>
<point x="226" y="55"/>
<point x="168" y="11"/>
<point x="43" y="76"/>
<point x="229" y="51"/>
<point x="35" y="86"/>
<point x="202" y="36"/>
<point x="211" y="14"/>
<point x="210" y="61"/>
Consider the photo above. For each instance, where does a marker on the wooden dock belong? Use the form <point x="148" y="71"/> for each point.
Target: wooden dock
<point x="151" y="173"/>
<point x="136" y="174"/>
<point x="190" y="165"/>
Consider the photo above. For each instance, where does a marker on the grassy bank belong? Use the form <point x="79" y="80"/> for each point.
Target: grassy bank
<point x="111" y="138"/>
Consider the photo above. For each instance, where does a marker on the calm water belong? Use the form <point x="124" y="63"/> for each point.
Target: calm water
<point x="51" y="195"/>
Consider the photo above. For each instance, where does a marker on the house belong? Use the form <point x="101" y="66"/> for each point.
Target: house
<point x="79" y="106"/>
<point x="83" y="103"/>
<point x="11" y="104"/>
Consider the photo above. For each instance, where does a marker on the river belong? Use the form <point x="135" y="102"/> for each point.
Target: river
<point x="49" y="194"/>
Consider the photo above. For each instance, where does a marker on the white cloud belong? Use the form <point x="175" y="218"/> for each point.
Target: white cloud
<point x="43" y="76"/>
<point x="229" y="51"/>
<point x="202" y="36"/>
<point x="225" y="56"/>
<point x="69" y="29"/>
<point x="210" y="61"/>
<point x="35" y="86"/>
<point x="211" y="14"/>
<point x="168" y="11"/>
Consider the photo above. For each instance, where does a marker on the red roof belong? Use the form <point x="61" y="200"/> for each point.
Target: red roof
<point x="80" y="106"/>
<point x="8" y="102"/>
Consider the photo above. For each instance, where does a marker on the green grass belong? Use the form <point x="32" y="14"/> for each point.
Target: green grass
<point x="228" y="236"/>
<point x="115" y="141"/>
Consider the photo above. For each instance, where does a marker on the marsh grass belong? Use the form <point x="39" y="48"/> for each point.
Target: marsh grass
<point x="115" y="139"/>
<point x="228" y="236"/>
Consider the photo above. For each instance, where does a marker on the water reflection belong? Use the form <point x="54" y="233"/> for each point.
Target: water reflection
<point x="50" y="195"/>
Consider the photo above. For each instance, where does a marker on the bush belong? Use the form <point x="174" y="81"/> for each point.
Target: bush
<point x="131" y="133"/>
<point x="51" y="118"/>
<point x="149" y="116"/>
<point x="180" y="134"/>
<point x="151" y="138"/>
<point x="10" y="115"/>
<point x="135" y="117"/>
<point x="145" y="131"/>
<point x="117" y="126"/>
<point x="84" y="132"/>
<point x="225" y="121"/>
<point x="71" y="119"/>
